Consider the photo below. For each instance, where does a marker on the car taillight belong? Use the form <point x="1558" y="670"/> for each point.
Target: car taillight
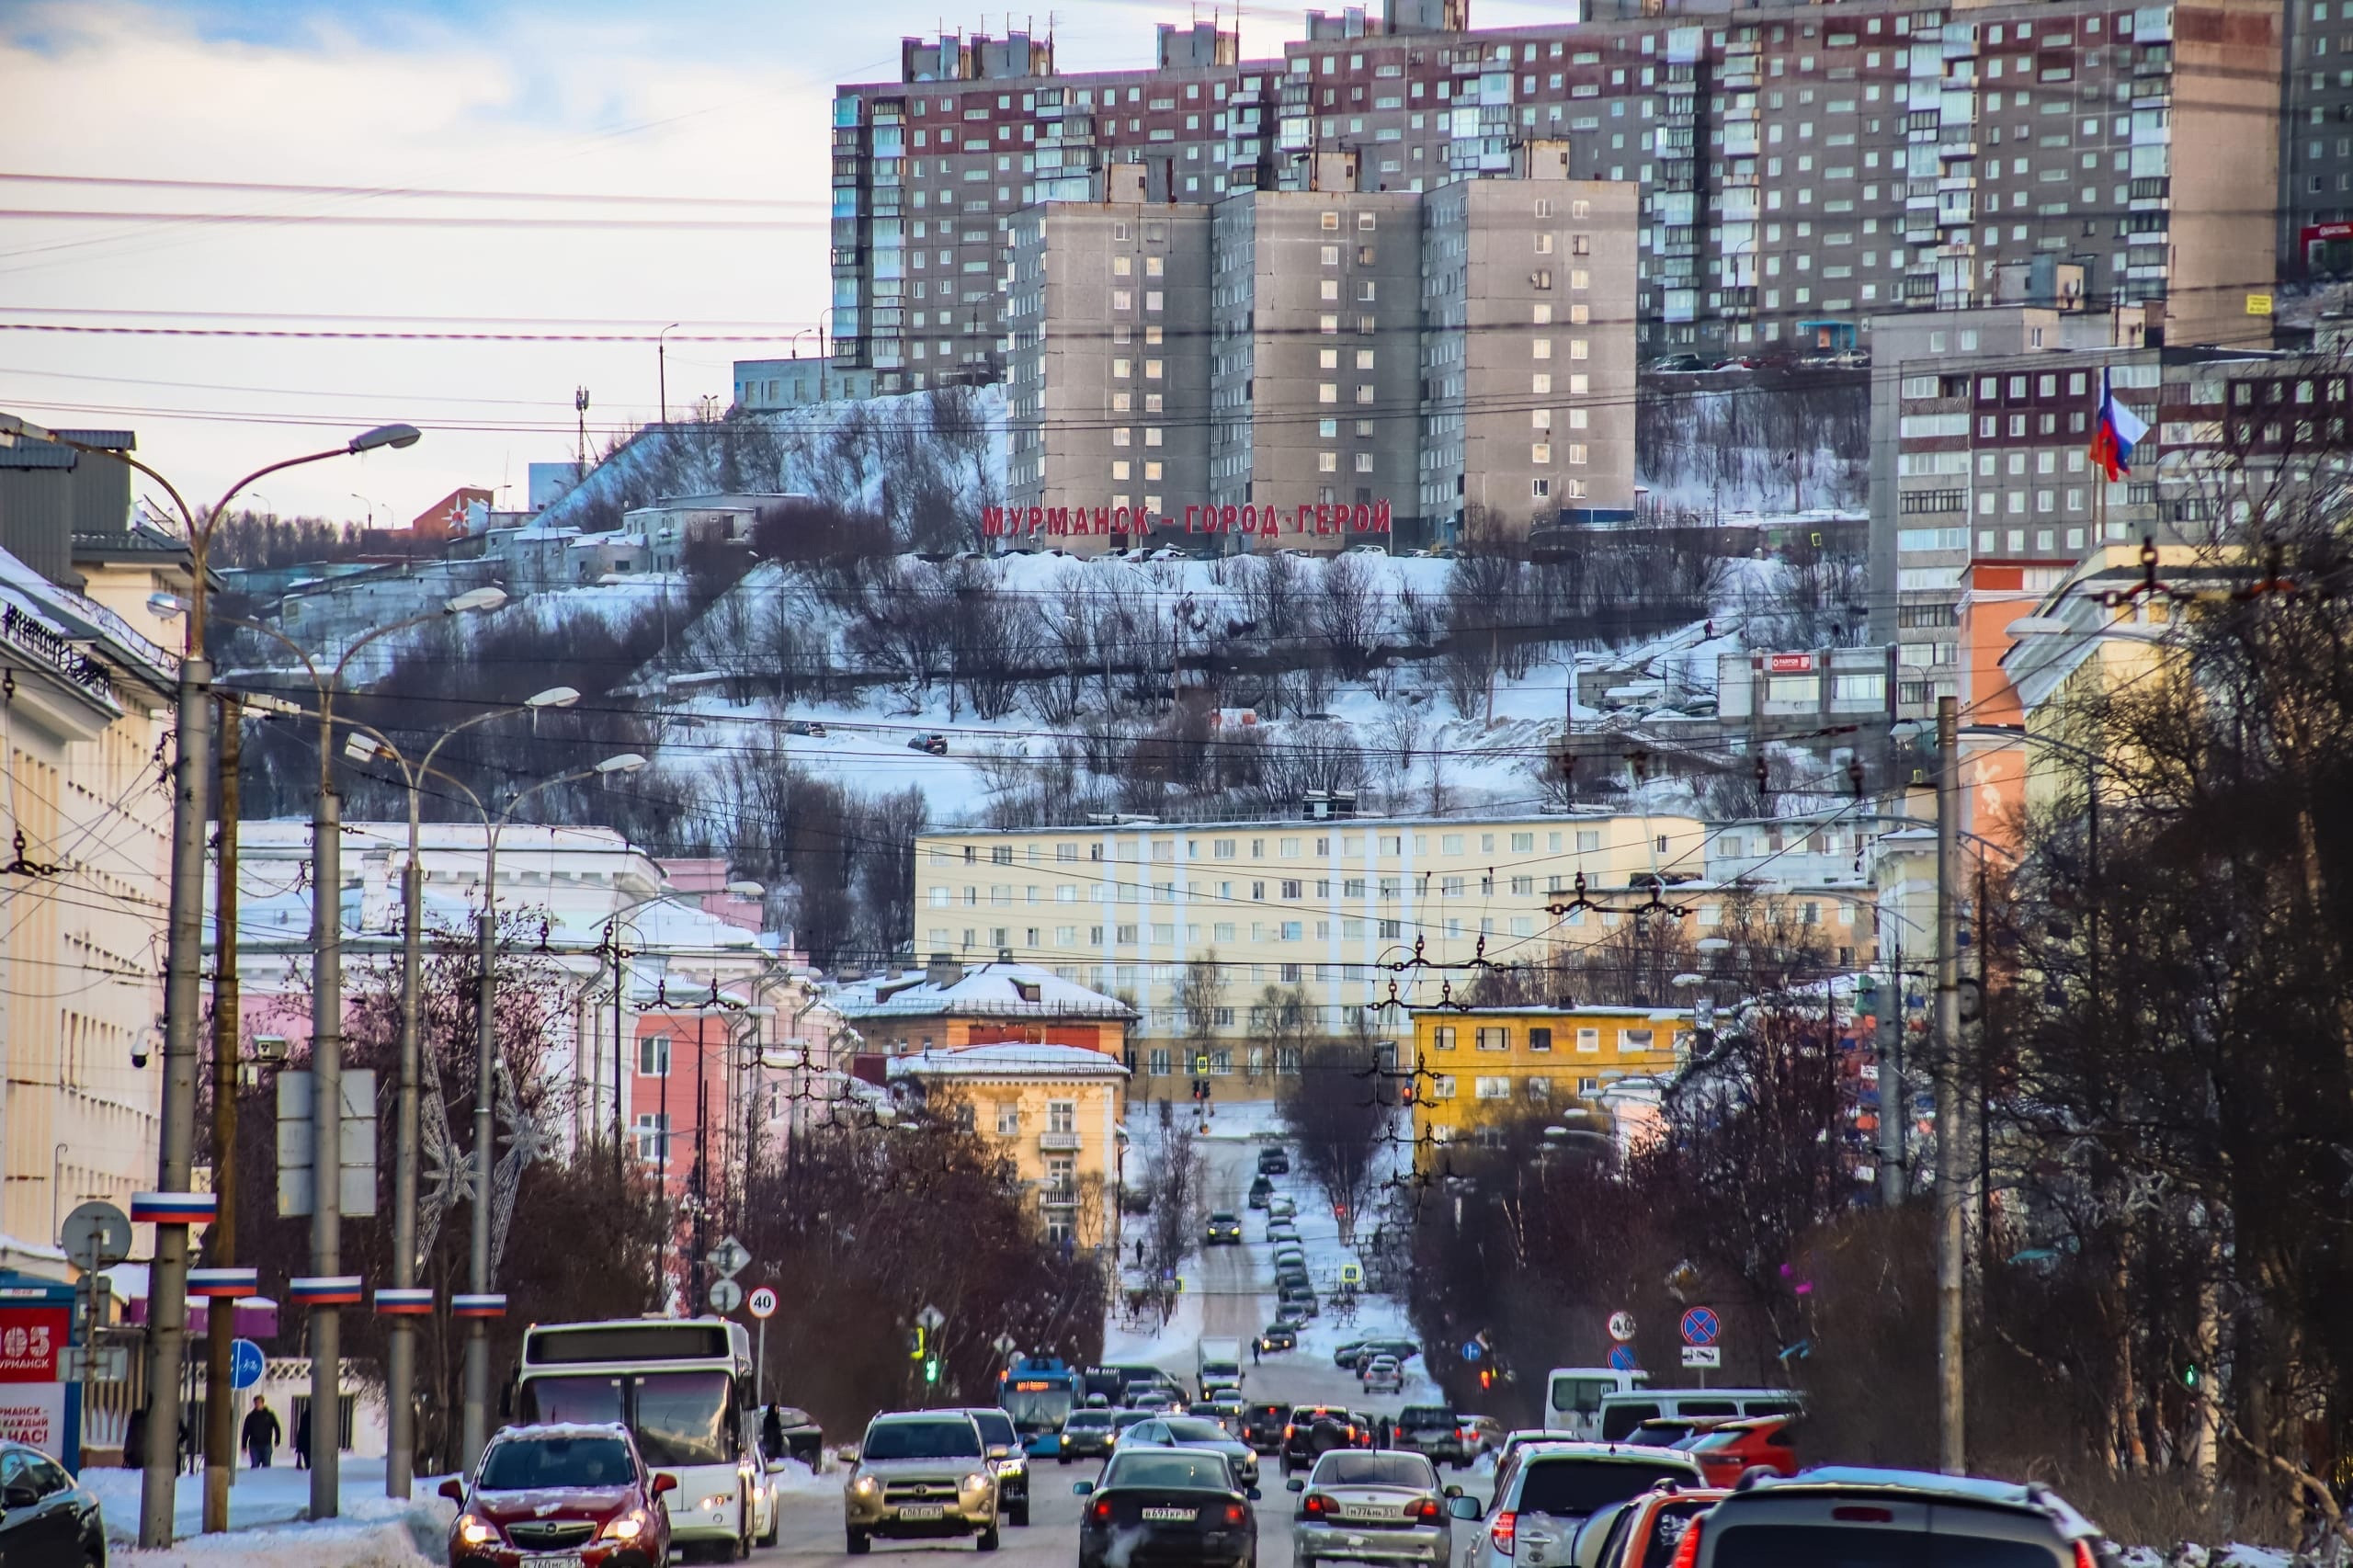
<point x="1687" y="1554"/>
<point x="1315" y="1506"/>
<point x="1428" y="1510"/>
<point x="1504" y="1532"/>
<point x="2084" y="1558"/>
<point x="1102" y="1509"/>
<point x="1233" y="1512"/>
<point x="1288" y="1430"/>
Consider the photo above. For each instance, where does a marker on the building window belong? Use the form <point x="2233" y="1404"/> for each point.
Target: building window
<point x="1539" y="1039"/>
<point x="1157" y="1062"/>
<point x="1589" y="1039"/>
<point x="654" y="1056"/>
<point x="1008" y="1120"/>
<point x="1496" y="1087"/>
<point x="1494" y="1037"/>
<point x="653" y="1135"/>
<point x="1442" y="1037"/>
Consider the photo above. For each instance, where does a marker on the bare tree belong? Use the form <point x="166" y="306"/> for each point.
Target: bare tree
<point x="1338" y="1112"/>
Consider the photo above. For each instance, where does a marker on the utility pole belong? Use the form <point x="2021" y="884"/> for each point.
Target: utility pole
<point x="327" y="1125"/>
<point x="1952" y="1444"/>
<point x="477" y="1393"/>
<point x="1894" y="1100"/>
<point x="221" y="1242"/>
<point x="400" y="1349"/>
<point x="702" y="1159"/>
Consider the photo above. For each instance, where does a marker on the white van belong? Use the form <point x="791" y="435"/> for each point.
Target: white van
<point x="1573" y="1396"/>
<point x="1622" y="1412"/>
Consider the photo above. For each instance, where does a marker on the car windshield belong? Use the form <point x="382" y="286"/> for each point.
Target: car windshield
<point x="530" y="1464"/>
<point x="1829" y="1546"/>
<point x="682" y="1418"/>
<point x="1576" y="1487"/>
<point x="1087" y="1420"/>
<point x="1204" y="1473"/>
<point x="922" y="1440"/>
<point x="1409" y="1470"/>
<point x="996" y="1427"/>
<point x="1424" y="1418"/>
<point x="1189" y="1431"/>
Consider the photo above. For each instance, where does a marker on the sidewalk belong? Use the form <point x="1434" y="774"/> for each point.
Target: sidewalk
<point x="374" y="1532"/>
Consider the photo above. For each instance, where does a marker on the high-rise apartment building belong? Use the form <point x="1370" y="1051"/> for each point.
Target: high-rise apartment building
<point x="1527" y="347"/>
<point x="1806" y="171"/>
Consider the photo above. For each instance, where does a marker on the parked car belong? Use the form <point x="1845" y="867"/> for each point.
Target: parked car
<point x="1729" y="1450"/>
<point x="1008" y="1461"/>
<point x="803" y="1438"/>
<point x="1087" y="1434"/>
<point x="1738" y="362"/>
<point x="804" y="727"/>
<point x="931" y="741"/>
<point x="1383" y="1375"/>
<point x="1278" y="1336"/>
<point x="1364" y="1507"/>
<point x="1679" y="364"/>
<point x="921" y="1473"/>
<point x="1274" y="1162"/>
<point x="1643" y="1531"/>
<point x="1543" y="1498"/>
<point x="1355" y="1352"/>
<point x="1282" y="1231"/>
<point x="1262" y="1427"/>
<point x="49" y="1518"/>
<point x="1297" y="1297"/>
<point x="1193" y="1432"/>
<point x="1281" y="1208"/>
<point x="540" y="1491"/>
<point x="1894" y="1518"/>
<point x="1153" y="1504"/>
<point x="1222" y="1229"/>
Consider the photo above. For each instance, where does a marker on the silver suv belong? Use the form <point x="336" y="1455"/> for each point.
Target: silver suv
<point x="1896" y="1518"/>
<point x="1551" y="1489"/>
<point x="919" y="1474"/>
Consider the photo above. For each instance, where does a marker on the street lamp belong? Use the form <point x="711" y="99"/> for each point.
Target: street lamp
<point x="167" y="1328"/>
<point x="326" y="1017"/>
<point x="400" y="1360"/>
<point x="475" y="1429"/>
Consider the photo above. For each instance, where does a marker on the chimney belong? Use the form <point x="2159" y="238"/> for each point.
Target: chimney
<point x="943" y="970"/>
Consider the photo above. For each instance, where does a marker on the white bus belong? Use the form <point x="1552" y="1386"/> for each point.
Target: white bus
<point x="683" y="1387"/>
<point x="1573" y="1396"/>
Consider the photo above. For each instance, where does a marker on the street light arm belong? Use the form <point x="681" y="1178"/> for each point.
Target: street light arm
<point x="318" y="678"/>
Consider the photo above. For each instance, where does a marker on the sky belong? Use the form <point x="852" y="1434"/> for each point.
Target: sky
<point x="532" y="169"/>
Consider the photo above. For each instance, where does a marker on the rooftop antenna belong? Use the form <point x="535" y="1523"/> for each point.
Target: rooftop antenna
<point x="580" y="458"/>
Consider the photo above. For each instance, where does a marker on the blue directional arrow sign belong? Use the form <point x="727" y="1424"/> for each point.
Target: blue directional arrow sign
<point x="1470" y="1350"/>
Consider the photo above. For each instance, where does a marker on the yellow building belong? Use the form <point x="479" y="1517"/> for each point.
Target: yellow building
<point x="1054" y="1110"/>
<point x="1489" y="1064"/>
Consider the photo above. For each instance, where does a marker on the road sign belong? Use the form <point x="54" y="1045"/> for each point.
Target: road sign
<point x="1470" y="1350"/>
<point x="1621" y="1358"/>
<point x="929" y="1319"/>
<point x="1002" y="1345"/>
<point x="99" y="1364"/>
<point x="244" y="1363"/>
<point x="725" y="1295"/>
<point x="763" y="1302"/>
<point x="729" y="1258"/>
<point x="96" y="1235"/>
<point x="1622" y="1326"/>
<point x="1704" y="1356"/>
<point x="1700" y="1327"/>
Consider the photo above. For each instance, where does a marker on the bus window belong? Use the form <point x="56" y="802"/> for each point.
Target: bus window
<point x="684" y="1418"/>
<point x="1581" y="1394"/>
<point x="586" y="1399"/>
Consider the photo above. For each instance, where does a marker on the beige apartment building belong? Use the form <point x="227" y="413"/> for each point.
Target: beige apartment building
<point x="1528" y="348"/>
<point x="1325" y="906"/>
<point x="1108" y="376"/>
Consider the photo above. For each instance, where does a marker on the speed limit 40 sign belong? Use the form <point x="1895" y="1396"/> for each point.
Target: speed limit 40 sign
<point x="762" y="1302"/>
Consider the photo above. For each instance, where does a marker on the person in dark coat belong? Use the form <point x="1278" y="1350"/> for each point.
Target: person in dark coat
<point x="134" y="1441"/>
<point x="302" y="1439"/>
<point x="772" y="1434"/>
<point x="260" y="1434"/>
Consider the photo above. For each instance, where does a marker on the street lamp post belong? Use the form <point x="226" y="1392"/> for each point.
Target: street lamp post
<point x="400" y="1357"/>
<point x="168" y="1325"/>
<point x="475" y="1429"/>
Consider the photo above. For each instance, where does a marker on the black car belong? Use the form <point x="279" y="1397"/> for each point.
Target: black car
<point x="804" y="727"/>
<point x="803" y="1438"/>
<point x="1262" y="1191"/>
<point x="1357" y="1352"/>
<point x="1262" y="1426"/>
<point x="1167" y="1502"/>
<point x="1087" y="1434"/>
<point x="1223" y="1229"/>
<point x="1300" y="1451"/>
<point x="1274" y="1162"/>
<point x="1279" y="1336"/>
<point x="933" y="743"/>
<point x="1008" y="1461"/>
<point x="49" y="1518"/>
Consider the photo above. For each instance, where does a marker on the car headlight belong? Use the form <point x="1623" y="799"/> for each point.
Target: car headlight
<point x="626" y="1527"/>
<point x="717" y="1500"/>
<point x="976" y="1482"/>
<point x="865" y="1486"/>
<point x="474" y="1531"/>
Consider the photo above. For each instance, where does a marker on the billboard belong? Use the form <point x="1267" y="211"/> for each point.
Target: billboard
<point x="1325" y="519"/>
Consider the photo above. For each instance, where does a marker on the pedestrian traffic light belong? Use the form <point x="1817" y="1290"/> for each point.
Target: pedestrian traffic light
<point x="931" y="1368"/>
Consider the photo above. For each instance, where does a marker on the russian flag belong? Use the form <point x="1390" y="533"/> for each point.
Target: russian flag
<point x="326" y="1290"/>
<point x="483" y="1305"/>
<point x="173" y="1207"/>
<point x="2115" y="433"/>
<point x="404" y="1300"/>
<point x="231" y="1283"/>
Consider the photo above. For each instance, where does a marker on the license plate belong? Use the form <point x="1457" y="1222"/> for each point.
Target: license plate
<point x="924" y="1511"/>
<point x="1366" y="1514"/>
<point x="552" y="1560"/>
<point x="1168" y="1516"/>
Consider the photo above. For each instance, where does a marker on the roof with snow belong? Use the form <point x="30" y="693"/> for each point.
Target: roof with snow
<point x="1011" y="1059"/>
<point x="991" y="990"/>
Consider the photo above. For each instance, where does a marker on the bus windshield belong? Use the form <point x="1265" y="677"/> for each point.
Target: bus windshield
<point x="682" y="1418"/>
<point x="1037" y="1406"/>
<point x="586" y="1400"/>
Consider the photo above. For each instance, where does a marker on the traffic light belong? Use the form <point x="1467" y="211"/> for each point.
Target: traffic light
<point x="931" y="1368"/>
<point x="2189" y="1375"/>
<point x="1486" y="1377"/>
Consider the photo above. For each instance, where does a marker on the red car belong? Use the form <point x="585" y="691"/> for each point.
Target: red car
<point x="561" y="1492"/>
<point x="1730" y="1449"/>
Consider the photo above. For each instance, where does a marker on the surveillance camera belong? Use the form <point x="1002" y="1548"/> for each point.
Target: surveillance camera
<point x="139" y="1054"/>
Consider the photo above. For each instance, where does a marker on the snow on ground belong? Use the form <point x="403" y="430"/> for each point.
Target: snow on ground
<point x="797" y="1480"/>
<point x="267" y="1510"/>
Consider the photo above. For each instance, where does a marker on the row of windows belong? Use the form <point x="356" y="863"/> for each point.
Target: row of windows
<point x="1556" y="841"/>
<point x="1497" y="1036"/>
<point x="1498" y="1086"/>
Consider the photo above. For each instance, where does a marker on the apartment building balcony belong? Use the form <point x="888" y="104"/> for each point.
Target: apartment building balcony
<point x="2150" y="192"/>
<point x="1950" y="183"/>
<point x="1057" y="1142"/>
<point x="1057" y="1196"/>
<point x="1737" y="304"/>
<point x="1676" y="242"/>
<point x="1949" y="147"/>
<point x="1740" y="175"/>
<point x="1919" y="286"/>
<point x="2150" y="90"/>
<point x="1920" y="228"/>
<point x="1738" y="76"/>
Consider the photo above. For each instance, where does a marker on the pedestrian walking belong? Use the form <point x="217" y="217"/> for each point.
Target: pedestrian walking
<point x="261" y="1433"/>
<point x="302" y="1439"/>
<point x="1255" y="1346"/>
<point x="772" y="1434"/>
